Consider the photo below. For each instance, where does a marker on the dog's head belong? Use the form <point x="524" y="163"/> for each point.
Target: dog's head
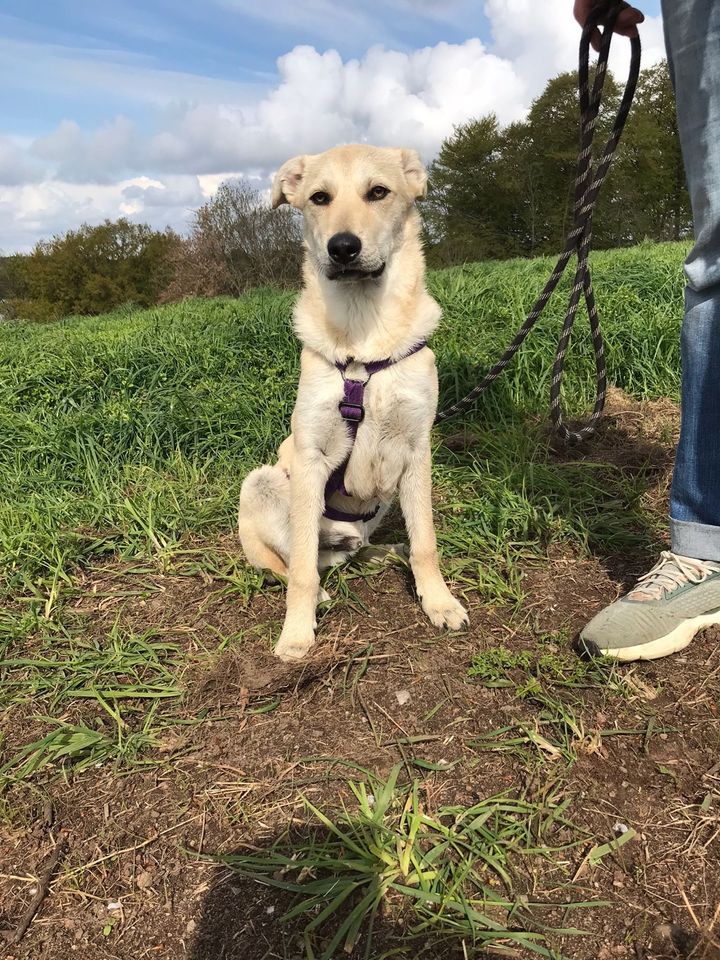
<point x="355" y="202"/>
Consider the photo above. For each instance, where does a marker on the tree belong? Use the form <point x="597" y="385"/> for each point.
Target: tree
<point x="554" y="132"/>
<point x="470" y="198"/>
<point x="93" y="270"/>
<point x="510" y="192"/>
<point x="652" y="197"/>
<point x="11" y="280"/>
<point x="236" y="242"/>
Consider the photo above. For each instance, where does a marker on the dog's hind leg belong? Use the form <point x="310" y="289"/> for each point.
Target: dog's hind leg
<point x="264" y="519"/>
<point x="260" y="555"/>
<point x="264" y="523"/>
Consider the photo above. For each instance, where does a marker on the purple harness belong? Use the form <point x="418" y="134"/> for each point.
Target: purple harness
<point x="352" y="411"/>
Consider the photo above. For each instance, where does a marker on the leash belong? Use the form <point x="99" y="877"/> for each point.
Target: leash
<point x="588" y="182"/>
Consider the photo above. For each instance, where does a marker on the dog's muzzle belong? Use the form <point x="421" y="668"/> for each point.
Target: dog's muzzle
<point x="352" y="272"/>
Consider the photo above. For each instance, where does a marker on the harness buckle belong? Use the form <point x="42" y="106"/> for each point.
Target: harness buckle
<point x="354" y="412"/>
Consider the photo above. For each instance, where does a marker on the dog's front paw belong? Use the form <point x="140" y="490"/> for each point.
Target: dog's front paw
<point x="445" y="612"/>
<point x="294" y="643"/>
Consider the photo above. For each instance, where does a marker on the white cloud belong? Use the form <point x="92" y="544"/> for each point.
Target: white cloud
<point x="541" y="40"/>
<point x="387" y="97"/>
<point x="16" y="166"/>
<point x="38" y="211"/>
<point x="97" y="156"/>
<point x="209" y="182"/>
<point x="172" y="193"/>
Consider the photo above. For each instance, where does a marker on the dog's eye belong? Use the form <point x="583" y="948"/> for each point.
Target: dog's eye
<point x="378" y="193"/>
<point x="320" y="199"/>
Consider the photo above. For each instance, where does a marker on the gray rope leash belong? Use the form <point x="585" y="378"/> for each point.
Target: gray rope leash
<point x="588" y="182"/>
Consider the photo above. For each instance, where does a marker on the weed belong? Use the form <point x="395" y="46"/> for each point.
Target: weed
<point x="124" y="677"/>
<point x="450" y="872"/>
<point x="536" y="677"/>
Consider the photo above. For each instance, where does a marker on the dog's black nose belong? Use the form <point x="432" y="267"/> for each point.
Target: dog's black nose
<point x="344" y="247"/>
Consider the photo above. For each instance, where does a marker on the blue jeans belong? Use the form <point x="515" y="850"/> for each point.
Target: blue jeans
<point x="692" y="35"/>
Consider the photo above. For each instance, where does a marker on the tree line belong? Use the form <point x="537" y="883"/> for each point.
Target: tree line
<point x="508" y="192"/>
<point x="235" y="242"/>
<point x="495" y="192"/>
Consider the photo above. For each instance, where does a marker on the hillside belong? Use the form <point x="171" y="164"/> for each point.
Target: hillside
<point x="141" y="709"/>
<point x="133" y="430"/>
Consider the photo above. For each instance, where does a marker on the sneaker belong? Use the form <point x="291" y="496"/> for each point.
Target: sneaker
<point x="660" y="615"/>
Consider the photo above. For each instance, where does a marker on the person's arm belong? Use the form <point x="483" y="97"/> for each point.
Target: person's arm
<point x="626" y="23"/>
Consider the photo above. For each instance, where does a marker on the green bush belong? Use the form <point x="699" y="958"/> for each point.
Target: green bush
<point x="90" y="271"/>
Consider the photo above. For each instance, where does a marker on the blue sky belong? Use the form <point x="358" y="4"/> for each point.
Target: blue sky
<point x="142" y="108"/>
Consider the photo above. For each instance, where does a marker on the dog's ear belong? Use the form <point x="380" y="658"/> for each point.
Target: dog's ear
<point x="415" y="173"/>
<point x="287" y="180"/>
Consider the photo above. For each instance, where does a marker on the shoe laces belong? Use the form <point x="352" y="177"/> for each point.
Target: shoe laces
<point x="670" y="572"/>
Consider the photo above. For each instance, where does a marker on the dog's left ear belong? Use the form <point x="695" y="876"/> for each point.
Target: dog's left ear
<point x="287" y="180"/>
<point x="415" y="173"/>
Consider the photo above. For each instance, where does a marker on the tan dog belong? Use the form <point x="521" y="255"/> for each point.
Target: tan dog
<point x="364" y="299"/>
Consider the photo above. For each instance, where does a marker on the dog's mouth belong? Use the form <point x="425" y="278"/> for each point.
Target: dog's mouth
<point x="354" y="273"/>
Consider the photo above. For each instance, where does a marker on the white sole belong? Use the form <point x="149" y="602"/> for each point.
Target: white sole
<point x="679" y="638"/>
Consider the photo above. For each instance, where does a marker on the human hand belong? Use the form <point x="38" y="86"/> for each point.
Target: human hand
<point x="626" y="23"/>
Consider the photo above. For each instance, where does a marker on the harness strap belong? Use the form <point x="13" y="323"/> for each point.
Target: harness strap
<point x="352" y="410"/>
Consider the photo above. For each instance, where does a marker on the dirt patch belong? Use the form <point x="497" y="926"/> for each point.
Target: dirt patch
<point x="238" y="777"/>
<point x="636" y="749"/>
<point x="636" y="434"/>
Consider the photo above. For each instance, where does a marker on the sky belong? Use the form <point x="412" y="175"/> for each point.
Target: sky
<point x="142" y="109"/>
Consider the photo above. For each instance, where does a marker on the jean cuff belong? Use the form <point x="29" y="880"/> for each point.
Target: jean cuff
<point x="698" y="540"/>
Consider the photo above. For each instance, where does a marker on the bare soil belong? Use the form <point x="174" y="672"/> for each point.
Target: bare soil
<point x="270" y="734"/>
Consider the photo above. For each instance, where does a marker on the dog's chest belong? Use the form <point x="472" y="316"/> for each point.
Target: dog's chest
<point x="391" y="431"/>
<point x="398" y="408"/>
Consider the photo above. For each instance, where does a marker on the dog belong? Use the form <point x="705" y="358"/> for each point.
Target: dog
<point x="368" y="389"/>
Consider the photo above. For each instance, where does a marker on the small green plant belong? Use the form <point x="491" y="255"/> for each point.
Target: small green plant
<point x="492" y="667"/>
<point x="74" y="742"/>
<point x="122" y="678"/>
<point x="449" y="872"/>
<point x="557" y="730"/>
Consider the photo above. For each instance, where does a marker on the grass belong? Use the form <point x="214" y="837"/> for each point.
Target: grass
<point x="130" y="433"/>
<point x="122" y="677"/>
<point x="127" y="436"/>
<point x="123" y="443"/>
<point x="555" y="687"/>
<point x="446" y="872"/>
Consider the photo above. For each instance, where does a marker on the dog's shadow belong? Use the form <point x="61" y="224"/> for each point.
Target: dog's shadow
<point x="242" y="919"/>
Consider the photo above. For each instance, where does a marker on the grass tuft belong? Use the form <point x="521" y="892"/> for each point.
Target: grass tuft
<point x="452" y="872"/>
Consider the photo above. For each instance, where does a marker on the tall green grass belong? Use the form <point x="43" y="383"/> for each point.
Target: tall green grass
<point x="130" y="433"/>
<point x="448" y="875"/>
